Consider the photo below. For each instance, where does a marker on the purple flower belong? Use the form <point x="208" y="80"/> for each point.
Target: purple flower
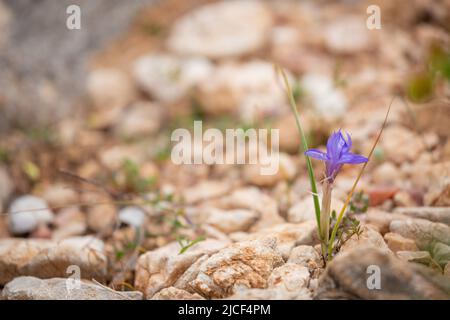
<point x="338" y="153"/>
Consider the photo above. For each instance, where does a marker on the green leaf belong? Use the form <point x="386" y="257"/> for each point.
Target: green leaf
<point x="312" y="179"/>
<point x="185" y="247"/>
<point x="441" y="253"/>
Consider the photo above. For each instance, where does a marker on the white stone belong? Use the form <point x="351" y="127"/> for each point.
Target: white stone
<point x="132" y="216"/>
<point x="25" y="218"/>
<point x="232" y="220"/>
<point x="222" y="29"/>
<point x="169" y="78"/>
<point x="31" y="288"/>
<point x="109" y="88"/>
<point x="142" y="118"/>
<point x="251" y="89"/>
<point x="348" y="34"/>
<point x="323" y="95"/>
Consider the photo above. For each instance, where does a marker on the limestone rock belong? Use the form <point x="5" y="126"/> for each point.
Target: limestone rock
<point x="172" y="293"/>
<point x="252" y="198"/>
<point x="248" y="264"/>
<point x="306" y="256"/>
<point x="423" y="232"/>
<point x="346" y="277"/>
<point x="140" y="119"/>
<point x="205" y="190"/>
<point x="396" y="243"/>
<point x="290" y="276"/>
<point x="49" y="259"/>
<point x="168" y="78"/>
<point x="222" y="29"/>
<point x="403" y="145"/>
<point x="435" y="214"/>
<point x="161" y="268"/>
<point x="31" y="288"/>
<point x="232" y="220"/>
<point x="368" y="238"/>
<point x="289" y="235"/>
<point x="337" y="37"/>
<point x="25" y="217"/>
<point x="304" y="209"/>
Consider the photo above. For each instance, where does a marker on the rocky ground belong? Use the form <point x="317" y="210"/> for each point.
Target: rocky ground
<point x="98" y="190"/>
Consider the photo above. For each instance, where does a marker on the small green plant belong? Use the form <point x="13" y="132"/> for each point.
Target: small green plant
<point x="359" y="203"/>
<point x="185" y="243"/>
<point x="333" y="230"/>
<point x="421" y="86"/>
<point x="133" y="179"/>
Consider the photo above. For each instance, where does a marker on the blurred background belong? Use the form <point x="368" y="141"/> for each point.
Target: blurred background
<point x="93" y="109"/>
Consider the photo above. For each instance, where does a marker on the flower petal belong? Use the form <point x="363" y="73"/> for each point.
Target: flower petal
<point x="317" y="154"/>
<point x="352" y="158"/>
<point x="334" y="146"/>
<point x="348" y="144"/>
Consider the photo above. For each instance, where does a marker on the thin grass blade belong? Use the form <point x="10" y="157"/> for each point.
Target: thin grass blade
<point x="355" y="184"/>
<point x="312" y="178"/>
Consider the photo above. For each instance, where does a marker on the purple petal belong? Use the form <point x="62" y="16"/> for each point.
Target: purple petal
<point x="334" y="146"/>
<point x="352" y="158"/>
<point x="317" y="154"/>
<point x="348" y="144"/>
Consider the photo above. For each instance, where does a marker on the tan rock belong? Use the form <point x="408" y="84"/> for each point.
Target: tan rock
<point x="306" y="256"/>
<point x="141" y="119"/>
<point x="248" y="264"/>
<point x="252" y="198"/>
<point x="346" y="277"/>
<point x="290" y="276"/>
<point x="114" y="157"/>
<point x="232" y="220"/>
<point x="404" y="199"/>
<point x="205" y="190"/>
<point x="250" y="90"/>
<point x="6" y="186"/>
<point x="368" y="238"/>
<point x="110" y="88"/>
<point x="31" y="288"/>
<point x="304" y="209"/>
<point x="102" y="218"/>
<point x="279" y="293"/>
<point x="172" y="293"/>
<point x="435" y="214"/>
<point x="288" y="235"/>
<point x="403" y="145"/>
<point x="386" y="174"/>
<point x="48" y="259"/>
<point x="286" y="171"/>
<point x="423" y="232"/>
<point x="423" y="257"/>
<point x="59" y="195"/>
<point x="222" y="29"/>
<point x="382" y="219"/>
<point x="169" y="78"/>
<point x="337" y="38"/>
<point x="396" y="242"/>
<point x="162" y="267"/>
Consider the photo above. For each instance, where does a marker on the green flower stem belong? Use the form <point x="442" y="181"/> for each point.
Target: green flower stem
<point x="349" y="196"/>
<point x="325" y="212"/>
